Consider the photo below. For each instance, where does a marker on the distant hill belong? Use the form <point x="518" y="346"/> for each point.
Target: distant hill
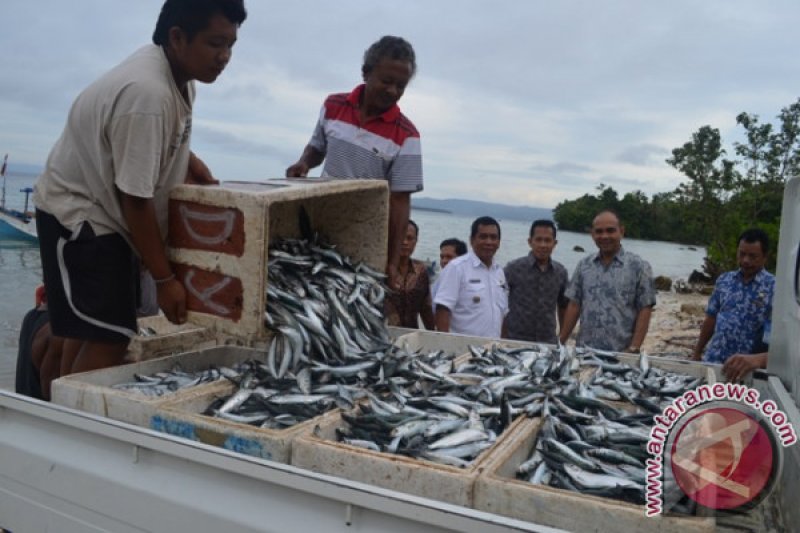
<point x="477" y="209"/>
<point x="22" y="169"/>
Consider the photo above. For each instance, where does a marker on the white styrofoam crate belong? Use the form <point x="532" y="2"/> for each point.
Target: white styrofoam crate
<point x="168" y="339"/>
<point x="183" y="417"/>
<point x="680" y="366"/>
<point x="396" y="331"/>
<point x="92" y="391"/>
<point x="498" y="491"/>
<point x="319" y="451"/>
<point x="432" y="341"/>
<point x="219" y="239"/>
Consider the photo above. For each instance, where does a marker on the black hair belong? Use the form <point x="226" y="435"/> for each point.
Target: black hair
<point x="608" y="210"/>
<point x="389" y="47"/>
<point x="755" y="235"/>
<point x="543" y="223"/>
<point x="459" y="245"/>
<point x="483" y="221"/>
<point x="192" y="16"/>
<point x="416" y="228"/>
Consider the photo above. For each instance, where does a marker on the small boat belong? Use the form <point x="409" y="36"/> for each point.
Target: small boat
<point x="14" y="223"/>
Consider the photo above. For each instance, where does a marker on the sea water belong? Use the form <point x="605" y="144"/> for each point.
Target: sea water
<point x="21" y="272"/>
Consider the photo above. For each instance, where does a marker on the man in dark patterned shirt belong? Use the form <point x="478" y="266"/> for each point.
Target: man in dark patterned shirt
<point x="536" y="287"/>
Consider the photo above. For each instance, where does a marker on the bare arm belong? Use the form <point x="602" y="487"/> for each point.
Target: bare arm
<point x="706" y="331"/>
<point x="561" y="314"/>
<point x="46" y="357"/>
<point x="737" y="366"/>
<point x="399" y="211"/>
<point x="426" y="314"/>
<point x="640" y="328"/>
<point x="442" y="318"/>
<point x="428" y="320"/>
<point x="311" y="158"/>
<point x="140" y="217"/>
<point x="569" y="321"/>
<point x="198" y="173"/>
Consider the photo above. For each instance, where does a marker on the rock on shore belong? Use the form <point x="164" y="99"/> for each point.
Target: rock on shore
<point x="675" y="324"/>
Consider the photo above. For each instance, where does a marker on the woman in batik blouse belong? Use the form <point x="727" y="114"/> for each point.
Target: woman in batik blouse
<point x="411" y="301"/>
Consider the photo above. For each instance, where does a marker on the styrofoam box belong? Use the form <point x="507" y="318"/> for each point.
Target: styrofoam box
<point x="318" y="451"/>
<point x="183" y="417"/>
<point x="498" y="491"/>
<point x="513" y="344"/>
<point x="219" y="238"/>
<point x="168" y="339"/>
<point x="397" y="331"/>
<point x="92" y="392"/>
<point x="681" y="366"/>
<point x="434" y="340"/>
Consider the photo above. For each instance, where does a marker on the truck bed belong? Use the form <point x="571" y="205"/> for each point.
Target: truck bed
<point x="68" y="471"/>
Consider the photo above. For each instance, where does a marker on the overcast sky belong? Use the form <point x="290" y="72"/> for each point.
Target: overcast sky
<point x="525" y="102"/>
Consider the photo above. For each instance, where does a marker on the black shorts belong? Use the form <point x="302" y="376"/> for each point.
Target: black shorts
<point x="92" y="282"/>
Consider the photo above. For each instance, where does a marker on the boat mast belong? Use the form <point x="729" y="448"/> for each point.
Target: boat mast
<point x="3" y="173"/>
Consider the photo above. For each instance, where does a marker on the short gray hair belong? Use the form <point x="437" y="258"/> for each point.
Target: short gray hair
<point x="390" y="47"/>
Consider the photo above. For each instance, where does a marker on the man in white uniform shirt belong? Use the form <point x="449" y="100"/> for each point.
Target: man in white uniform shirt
<point x="472" y="297"/>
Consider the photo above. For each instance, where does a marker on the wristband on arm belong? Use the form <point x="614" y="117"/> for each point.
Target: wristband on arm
<point x="164" y="280"/>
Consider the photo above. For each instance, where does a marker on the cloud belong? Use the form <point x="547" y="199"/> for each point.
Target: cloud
<point x="528" y="103"/>
<point x="643" y="155"/>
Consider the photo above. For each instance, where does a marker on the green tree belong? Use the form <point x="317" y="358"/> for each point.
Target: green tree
<point x="634" y="210"/>
<point x="720" y="198"/>
<point x="711" y="177"/>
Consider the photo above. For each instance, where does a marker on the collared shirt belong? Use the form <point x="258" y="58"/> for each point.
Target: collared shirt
<point x="742" y="311"/>
<point x="611" y="297"/>
<point x="475" y="294"/>
<point x="533" y="298"/>
<point x="404" y="305"/>
<point x="386" y="147"/>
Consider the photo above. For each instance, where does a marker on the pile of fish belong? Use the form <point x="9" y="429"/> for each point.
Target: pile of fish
<point x="321" y="307"/>
<point x="586" y="452"/>
<point x="443" y="429"/>
<point x="645" y="386"/>
<point x="331" y="349"/>
<point x="524" y="376"/>
<point x="593" y="437"/>
<point x="452" y="413"/>
<point x="162" y="383"/>
<point x="262" y="400"/>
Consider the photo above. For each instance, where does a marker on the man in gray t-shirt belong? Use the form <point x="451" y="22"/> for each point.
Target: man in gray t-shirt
<point x="102" y="200"/>
<point x="612" y="292"/>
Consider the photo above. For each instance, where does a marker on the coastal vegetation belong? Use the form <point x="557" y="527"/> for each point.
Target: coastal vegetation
<point x="721" y="196"/>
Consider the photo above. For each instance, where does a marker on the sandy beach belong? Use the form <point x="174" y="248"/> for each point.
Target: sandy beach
<point x="675" y="324"/>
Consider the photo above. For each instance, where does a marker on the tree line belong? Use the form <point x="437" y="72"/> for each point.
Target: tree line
<point x="720" y="198"/>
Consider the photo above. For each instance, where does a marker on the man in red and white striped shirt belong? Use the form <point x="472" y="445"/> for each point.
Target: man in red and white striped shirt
<point x="364" y="135"/>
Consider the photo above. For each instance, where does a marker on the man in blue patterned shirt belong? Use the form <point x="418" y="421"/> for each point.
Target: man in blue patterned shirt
<point x="740" y="307"/>
<point x="612" y="292"/>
